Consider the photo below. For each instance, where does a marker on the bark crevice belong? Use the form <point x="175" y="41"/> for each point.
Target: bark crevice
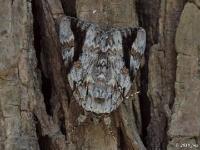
<point x="148" y="17"/>
<point x="69" y="7"/>
<point x="49" y="113"/>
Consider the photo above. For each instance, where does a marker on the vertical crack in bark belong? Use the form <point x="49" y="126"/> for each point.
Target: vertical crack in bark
<point x="69" y="7"/>
<point x="172" y="16"/>
<point x="43" y="141"/>
<point x="170" y="23"/>
<point x="121" y="140"/>
<point x="161" y="30"/>
<point x="46" y="88"/>
<point x="150" y="23"/>
<point x="171" y="20"/>
<point x="45" y="82"/>
<point x="50" y="110"/>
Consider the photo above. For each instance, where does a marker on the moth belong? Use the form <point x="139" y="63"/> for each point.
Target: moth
<point x="101" y="62"/>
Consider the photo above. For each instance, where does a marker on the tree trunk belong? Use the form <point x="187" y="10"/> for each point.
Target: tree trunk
<point x="37" y="110"/>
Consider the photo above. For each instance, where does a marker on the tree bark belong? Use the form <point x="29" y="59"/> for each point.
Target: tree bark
<point x="37" y="110"/>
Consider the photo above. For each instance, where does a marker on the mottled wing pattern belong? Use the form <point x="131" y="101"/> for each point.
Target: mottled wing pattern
<point x="137" y="50"/>
<point x="101" y="74"/>
<point x="66" y="37"/>
<point x="134" y="47"/>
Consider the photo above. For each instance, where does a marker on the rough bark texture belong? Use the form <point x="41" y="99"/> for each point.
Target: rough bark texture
<point x="19" y="88"/>
<point x="37" y="110"/>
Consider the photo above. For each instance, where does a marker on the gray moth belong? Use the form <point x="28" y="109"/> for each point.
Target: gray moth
<point x="101" y="62"/>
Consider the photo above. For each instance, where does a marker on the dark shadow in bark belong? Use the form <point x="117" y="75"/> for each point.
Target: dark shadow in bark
<point x="69" y="7"/>
<point x="45" y="82"/>
<point x="46" y="87"/>
<point x="127" y="43"/>
<point x="42" y="140"/>
<point x="155" y="126"/>
<point x="121" y="140"/>
<point x="148" y="19"/>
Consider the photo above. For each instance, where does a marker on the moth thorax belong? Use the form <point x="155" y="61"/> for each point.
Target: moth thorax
<point x="102" y="68"/>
